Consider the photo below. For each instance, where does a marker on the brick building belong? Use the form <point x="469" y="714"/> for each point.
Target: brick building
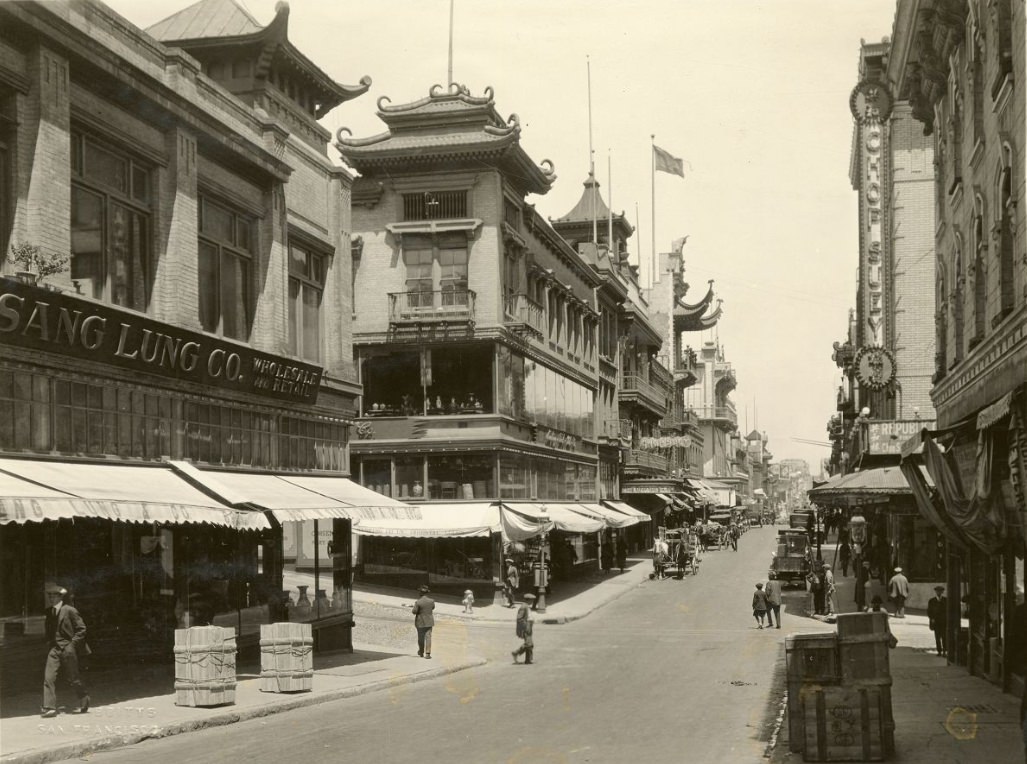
<point x="960" y="66"/>
<point x="180" y="345"/>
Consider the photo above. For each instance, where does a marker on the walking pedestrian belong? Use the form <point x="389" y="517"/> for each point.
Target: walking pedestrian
<point x="938" y="617"/>
<point x="524" y="629"/>
<point x="424" y="621"/>
<point x="622" y="553"/>
<point x="844" y="555"/>
<point x="512" y="582"/>
<point x="773" y="592"/>
<point x="898" y="591"/>
<point x="816" y="591"/>
<point x="759" y="605"/>
<point x="66" y="636"/>
<point x="862" y="578"/>
<point x="830" y="602"/>
<point x="606" y="555"/>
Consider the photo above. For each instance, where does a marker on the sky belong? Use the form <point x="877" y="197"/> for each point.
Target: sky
<point x="753" y="96"/>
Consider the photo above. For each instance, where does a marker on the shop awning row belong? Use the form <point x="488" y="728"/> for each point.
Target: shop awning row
<point x="34" y="491"/>
<point x="178" y="492"/>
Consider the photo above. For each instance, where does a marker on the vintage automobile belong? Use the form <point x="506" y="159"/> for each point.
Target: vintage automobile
<point x="792" y="561"/>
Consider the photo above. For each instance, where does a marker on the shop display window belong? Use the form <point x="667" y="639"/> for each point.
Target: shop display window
<point x="376" y="474"/>
<point x="318" y="569"/>
<point x="514" y="477"/>
<point x="461" y="381"/>
<point x="392" y="384"/>
<point x="460" y="476"/>
<point x="409" y="477"/>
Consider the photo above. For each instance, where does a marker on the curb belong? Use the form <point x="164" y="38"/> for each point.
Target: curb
<point x="228" y="716"/>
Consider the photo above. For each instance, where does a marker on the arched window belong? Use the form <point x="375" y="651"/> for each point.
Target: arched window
<point x="978" y="240"/>
<point x="1004" y="233"/>
<point x="941" y="325"/>
<point x="957" y="302"/>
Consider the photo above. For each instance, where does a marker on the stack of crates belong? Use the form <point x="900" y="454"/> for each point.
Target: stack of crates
<point x="851" y="720"/>
<point x="205" y="666"/>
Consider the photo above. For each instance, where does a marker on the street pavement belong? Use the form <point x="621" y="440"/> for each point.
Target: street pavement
<point x="676" y="671"/>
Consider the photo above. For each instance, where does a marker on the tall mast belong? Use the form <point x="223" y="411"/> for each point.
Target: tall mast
<point x="449" y="76"/>
<point x="592" y="156"/>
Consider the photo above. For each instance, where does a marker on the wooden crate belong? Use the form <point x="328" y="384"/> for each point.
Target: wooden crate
<point x="860" y="624"/>
<point x="205" y="666"/>
<point x="847" y="723"/>
<point x="864" y="659"/>
<point x="811" y="660"/>
<point x="286" y="657"/>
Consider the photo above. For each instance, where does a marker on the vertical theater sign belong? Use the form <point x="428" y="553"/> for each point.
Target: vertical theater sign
<point x="874" y="365"/>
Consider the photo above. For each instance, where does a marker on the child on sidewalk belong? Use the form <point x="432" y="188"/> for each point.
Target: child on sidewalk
<point x="759" y="605"/>
<point x="468" y="601"/>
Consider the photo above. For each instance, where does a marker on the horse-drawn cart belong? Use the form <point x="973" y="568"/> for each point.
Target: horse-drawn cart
<point x="682" y="553"/>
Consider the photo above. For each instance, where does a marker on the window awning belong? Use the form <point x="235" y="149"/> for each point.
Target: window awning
<point x="560" y="517"/>
<point x="288" y="499"/>
<point x="437" y="521"/>
<point x="612" y="517"/>
<point x="664" y="498"/>
<point x="626" y="509"/>
<point x="33" y="491"/>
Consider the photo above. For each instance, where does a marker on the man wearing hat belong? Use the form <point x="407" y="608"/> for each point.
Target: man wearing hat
<point x="524" y="630"/>
<point x="66" y="636"/>
<point x="424" y="621"/>
<point x="938" y="617"/>
<point x="898" y="591"/>
<point x="511" y="582"/>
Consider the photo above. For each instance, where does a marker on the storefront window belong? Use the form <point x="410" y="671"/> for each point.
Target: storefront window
<point x="376" y="474"/>
<point x="461" y="380"/>
<point x="511" y="383"/>
<point x="25" y="411"/>
<point x="392" y="384"/>
<point x="410" y="477"/>
<point x="514" y="477"/>
<point x="318" y="561"/>
<point x="460" y="476"/>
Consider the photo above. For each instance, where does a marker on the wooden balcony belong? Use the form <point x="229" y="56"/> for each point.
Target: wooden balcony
<point x="723" y="415"/>
<point x="638" y="460"/>
<point x="453" y="306"/>
<point x="637" y="389"/>
<point x="616" y="429"/>
<point x="521" y="312"/>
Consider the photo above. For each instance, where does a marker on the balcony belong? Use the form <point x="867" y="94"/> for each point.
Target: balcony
<point x="616" y="429"/>
<point x="523" y="312"/>
<point x="718" y="414"/>
<point x="637" y="389"/>
<point x="638" y="460"/>
<point x="452" y="306"/>
<point x="680" y="416"/>
<point x="685" y="368"/>
<point x="659" y="376"/>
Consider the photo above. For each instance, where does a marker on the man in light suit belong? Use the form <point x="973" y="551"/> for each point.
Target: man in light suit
<point x="66" y="636"/>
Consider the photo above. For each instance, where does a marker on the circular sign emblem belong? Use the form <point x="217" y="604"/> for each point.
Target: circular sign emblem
<point x="875" y="367"/>
<point x="870" y="102"/>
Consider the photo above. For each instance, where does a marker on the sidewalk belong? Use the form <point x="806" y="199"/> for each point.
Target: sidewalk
<point x="941" y="712"/>
<point x="129" y="706"/>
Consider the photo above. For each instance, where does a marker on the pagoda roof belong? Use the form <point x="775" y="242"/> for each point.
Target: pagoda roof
<point x="218" y="24"/>
<point x="591" y="206"/>
<point x="690" y="317"/>
<point x="449" y="125"/>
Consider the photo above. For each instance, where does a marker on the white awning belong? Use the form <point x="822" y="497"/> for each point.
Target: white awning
<point x="289" y="498"/>
<point x="627" y="509"/>
<point x="612" y="517"/>
<point x="33" y="491"/>
<point x="437" y="521"/>
<point x="561" y="517"/>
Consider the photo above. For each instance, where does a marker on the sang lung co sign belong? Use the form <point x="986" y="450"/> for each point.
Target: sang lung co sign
<point x="51" y="321"/>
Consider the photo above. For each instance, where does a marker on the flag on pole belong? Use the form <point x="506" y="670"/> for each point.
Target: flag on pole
<point x="666" y="162"/>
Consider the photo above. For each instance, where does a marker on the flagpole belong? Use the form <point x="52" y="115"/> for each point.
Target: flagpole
<point x="592" y="155"/>
<point x="609" y="180"/>
<point x="449" y="79"/>
<point x="652" y="161"/>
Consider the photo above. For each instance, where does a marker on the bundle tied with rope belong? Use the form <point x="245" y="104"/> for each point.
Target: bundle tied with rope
<point x="286" y="657"/>
<point x="205" y="666"/>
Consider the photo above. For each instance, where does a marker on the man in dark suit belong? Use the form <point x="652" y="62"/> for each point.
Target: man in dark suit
<point x="66" y="636"/>
<point x="424" y="621"/>
<point x="938" y="617"/>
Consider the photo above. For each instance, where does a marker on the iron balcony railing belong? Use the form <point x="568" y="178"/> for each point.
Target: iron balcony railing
<point x="717" y="412"/>
<point x="523" y="310"/>
<point x="636" y="458"/>
<point x="655" y="396"/>
<point x="439" y="305"/>
<point x="616" y="428"/>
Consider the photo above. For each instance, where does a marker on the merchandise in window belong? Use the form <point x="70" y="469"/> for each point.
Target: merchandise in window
<point x="306" y="287"/>
<point x="226" y="249"/>
<point x="110" y="224"/>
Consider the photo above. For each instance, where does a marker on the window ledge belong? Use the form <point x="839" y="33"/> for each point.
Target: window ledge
<point x="468" y="225"/>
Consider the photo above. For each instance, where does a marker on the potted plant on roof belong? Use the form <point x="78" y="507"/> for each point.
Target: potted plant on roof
<point x="34" y="264"/>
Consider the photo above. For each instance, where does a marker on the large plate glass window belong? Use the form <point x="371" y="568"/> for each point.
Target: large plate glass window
<point x="110" y="224"/>
<point x="307" y="270"/>
<point x="226" y="249"/>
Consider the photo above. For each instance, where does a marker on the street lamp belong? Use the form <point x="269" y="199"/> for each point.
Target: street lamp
<point x="541" y="575"/>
